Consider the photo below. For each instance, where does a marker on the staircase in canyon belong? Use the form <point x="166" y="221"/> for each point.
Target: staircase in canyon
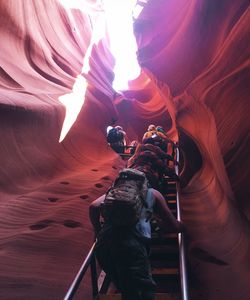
<point x="167" y="259"/>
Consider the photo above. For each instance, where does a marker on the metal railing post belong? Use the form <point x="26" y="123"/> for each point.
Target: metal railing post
<point x="76" y="282"/>
<point x="181" y="240"/>
<point x="94" y="276"/>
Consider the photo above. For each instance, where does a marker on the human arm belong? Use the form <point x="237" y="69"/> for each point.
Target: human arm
<point x="157" y="150"/>
<point x="132" y="159"/>
<point x="168" y="220"/>
<point x="94" y="213"/>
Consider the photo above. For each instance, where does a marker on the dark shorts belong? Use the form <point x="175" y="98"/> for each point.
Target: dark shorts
<point x="124" y="257"/>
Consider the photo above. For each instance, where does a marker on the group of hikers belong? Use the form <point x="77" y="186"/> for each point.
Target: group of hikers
<point x="122" y="217"/>
<point x="154" y="155"/>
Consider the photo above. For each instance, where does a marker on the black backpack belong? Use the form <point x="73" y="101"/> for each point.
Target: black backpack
<point x="125" y="199"/>
<point x="114" y="136"/>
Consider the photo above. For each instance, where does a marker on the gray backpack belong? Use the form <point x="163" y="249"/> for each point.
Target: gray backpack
<point x="125" y="199"/>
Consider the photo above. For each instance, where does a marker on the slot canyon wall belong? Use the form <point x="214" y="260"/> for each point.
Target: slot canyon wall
<point x="195" y="79"/>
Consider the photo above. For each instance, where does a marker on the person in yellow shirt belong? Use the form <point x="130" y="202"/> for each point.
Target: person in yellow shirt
<point x="150" y="133"/>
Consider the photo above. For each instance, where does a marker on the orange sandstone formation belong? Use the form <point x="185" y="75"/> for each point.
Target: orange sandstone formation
<point x="195" y="72"/>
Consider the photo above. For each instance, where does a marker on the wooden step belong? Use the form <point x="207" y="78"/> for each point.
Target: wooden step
<point x="166" y="263"/>
<point x="171" y="204"/>
<point x="172" y="207"/>
<point x="171" y="235"/>
<point x="170" y="190"/>
<point x="165" y="271"/>
<point x="171" y="201"/>
<point x="171" y="196"/>
<point x="163" y="242"/>
<point x="164" y="258"/>
<point x="158" y="296"/>
<point x="164" y="249"/>
<point x="167" y="296"/>
<point x="159" y="238"/>
<point x="167" y="283"/>
<point x="170" y="181"/>
<point x="161" y="252"/>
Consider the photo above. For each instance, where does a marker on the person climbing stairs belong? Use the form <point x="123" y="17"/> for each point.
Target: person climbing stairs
<point x="164" y="258"/>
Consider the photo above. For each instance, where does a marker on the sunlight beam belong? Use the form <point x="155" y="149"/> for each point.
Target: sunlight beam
<point x="115" y="17"/>
<point x="73" y="103"/>
<point x="122" y="41"/>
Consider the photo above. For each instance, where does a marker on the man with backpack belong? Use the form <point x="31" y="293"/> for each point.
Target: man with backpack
<point x="152" y="161"/>
<point x="116" y="139"/>
<point x="123" y="240"/>
<point x="157" y="136"/>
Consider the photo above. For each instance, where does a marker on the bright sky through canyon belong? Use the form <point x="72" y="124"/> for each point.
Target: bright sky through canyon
<point x="119" y="23"/>
<point x="122" y="41"/>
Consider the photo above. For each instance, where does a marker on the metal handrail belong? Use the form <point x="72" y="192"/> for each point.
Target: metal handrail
<point x="181" y="240"/>
<point x="89" y="261"/>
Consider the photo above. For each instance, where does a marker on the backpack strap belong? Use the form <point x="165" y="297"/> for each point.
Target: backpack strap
<point x="150" y="204"/>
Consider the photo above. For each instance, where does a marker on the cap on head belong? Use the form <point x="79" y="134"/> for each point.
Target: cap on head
<point x="161" y="129"/>
<point x="151" y="127"/>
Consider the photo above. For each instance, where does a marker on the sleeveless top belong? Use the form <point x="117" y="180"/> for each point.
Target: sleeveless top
<point x="143" y="227"/>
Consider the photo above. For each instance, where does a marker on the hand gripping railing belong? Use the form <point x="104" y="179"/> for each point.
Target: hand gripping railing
<point x="182" y="250"/>
<point x="89" y="261"/>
